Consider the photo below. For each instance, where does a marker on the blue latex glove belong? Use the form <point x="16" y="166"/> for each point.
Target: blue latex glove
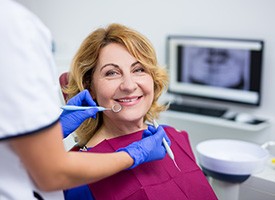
<point x="150" y="148"/>
<point x="71" y="120"/>
<point x="152" y="130"/>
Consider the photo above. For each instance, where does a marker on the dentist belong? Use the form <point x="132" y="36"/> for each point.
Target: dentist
<point x="34" y="163"/>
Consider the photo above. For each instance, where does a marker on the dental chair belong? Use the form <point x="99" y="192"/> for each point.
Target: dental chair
<point x="63" y="81"/>
<point x="71" y="140"/>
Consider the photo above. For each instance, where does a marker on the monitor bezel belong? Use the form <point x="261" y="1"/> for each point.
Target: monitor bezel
<point x="175" y="40"/>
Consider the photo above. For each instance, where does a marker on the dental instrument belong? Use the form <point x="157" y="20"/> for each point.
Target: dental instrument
<point x="115" y="108"/>
<point x="167" y="147"/>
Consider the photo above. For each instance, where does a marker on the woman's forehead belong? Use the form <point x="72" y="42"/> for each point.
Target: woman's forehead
<point x="115" y="54"/>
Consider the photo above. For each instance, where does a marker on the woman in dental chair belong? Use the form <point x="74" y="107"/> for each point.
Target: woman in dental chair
<point x="118" y="65"/>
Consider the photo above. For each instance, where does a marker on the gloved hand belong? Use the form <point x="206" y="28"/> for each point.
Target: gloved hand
<point x="150" y="148"/>
<point x="152" y="130"/>
<point x="71" y="120"/>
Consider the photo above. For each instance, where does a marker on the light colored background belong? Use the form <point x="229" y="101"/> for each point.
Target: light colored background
<point x="71" y="21"/>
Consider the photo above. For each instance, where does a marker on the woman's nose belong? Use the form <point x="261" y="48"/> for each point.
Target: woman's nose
<point x="128" y="84"/>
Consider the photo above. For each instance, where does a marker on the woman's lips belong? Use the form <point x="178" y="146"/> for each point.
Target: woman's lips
<point x="129" y="100"/>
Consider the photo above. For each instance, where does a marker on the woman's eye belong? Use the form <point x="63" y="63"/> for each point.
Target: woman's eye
<point x="139" y="70"/>
<point x="111" y="73"/>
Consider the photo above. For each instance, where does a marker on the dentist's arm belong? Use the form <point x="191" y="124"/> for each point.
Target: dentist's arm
<point x="52" y="168"/>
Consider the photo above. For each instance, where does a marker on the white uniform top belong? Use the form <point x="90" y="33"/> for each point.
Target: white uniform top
<point x="28" y="94"/>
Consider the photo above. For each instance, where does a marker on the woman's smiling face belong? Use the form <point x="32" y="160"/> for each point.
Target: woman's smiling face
<point x="120" y="79"/>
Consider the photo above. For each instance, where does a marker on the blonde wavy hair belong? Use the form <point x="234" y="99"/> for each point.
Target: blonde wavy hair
<point x="85" y="61"/>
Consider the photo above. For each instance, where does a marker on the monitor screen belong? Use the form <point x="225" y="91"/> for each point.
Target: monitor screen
<point x="215" y="68"/>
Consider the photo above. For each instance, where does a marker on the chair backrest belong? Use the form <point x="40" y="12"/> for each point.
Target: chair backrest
<point x="63" y="81"/>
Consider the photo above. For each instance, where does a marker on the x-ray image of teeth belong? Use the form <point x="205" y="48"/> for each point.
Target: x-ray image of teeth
<point x="217" y="67"/>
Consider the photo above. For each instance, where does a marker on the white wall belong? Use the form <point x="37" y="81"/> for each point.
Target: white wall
<point x="71" y="21"/>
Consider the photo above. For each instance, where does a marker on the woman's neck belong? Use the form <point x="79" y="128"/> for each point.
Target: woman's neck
<point x="112" y="129"/>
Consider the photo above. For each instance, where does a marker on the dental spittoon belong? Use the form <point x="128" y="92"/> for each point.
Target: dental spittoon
<point x="167" y="147"/>
<point x="115" y="108"/>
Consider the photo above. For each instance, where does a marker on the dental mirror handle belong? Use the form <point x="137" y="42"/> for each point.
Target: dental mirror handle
<point x="74" y="108"/>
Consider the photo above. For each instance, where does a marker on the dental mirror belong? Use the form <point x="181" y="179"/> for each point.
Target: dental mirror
<point x="116" y="108"/>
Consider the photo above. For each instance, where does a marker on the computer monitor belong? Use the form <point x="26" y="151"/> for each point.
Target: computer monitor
<point x="223" y="69"/>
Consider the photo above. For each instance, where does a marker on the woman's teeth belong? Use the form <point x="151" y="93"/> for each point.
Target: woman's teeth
<point x="128" y="100"/>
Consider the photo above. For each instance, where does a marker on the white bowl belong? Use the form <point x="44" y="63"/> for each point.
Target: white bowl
<point x="231" y="157"/>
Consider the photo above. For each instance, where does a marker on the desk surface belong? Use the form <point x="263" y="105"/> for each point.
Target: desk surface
<point x="215" y="121"/>
<point x="268" y="173"/>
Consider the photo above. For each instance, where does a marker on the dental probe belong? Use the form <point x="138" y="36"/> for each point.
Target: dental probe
<point x="167" y="147"/>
